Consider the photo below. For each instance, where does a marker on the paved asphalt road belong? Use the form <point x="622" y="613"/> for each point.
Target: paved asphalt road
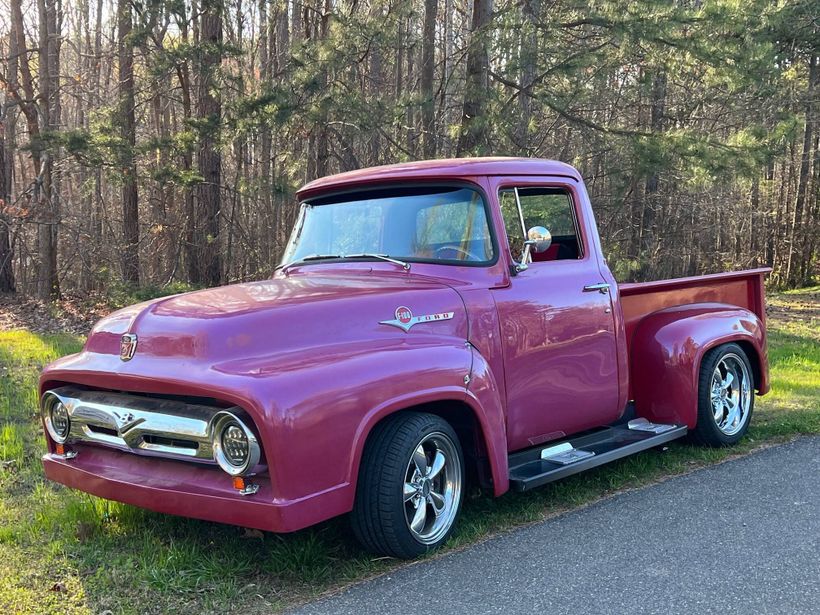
<point x="739" y="537"/>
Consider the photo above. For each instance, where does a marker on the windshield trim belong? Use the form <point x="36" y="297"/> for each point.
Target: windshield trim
<point x="399" y="186"/>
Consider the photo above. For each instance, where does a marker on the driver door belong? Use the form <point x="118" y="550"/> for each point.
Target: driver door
<point x="558" y="335"/>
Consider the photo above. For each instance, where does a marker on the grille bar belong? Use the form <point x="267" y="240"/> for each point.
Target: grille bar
<point x="145" y="425"/>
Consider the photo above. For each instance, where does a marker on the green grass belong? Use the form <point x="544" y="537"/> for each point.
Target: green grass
<point x="63" y="551"/>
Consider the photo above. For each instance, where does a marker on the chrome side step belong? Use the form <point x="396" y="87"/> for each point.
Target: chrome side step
<point x="642" y="424"/>
<point x="564" y="454"/>
<point x="538" y="466"/>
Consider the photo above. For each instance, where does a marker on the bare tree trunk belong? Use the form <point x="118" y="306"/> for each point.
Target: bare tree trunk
<point x="187" y="158"/>
<point x="428" y="103"/>
<point x="209" y="112"/>
<point x="529" y="57"/>
<point x="650" y="201"/>
<point x="813" y="215"/>
<point x="6" y="254"/>
<point x="97" y="211"/>
<point x="474" y="137"/>
<point x="322" y="147"/>
<point x="796" y="235"/>
<point x="128" y="167"/>
<point x="401" y="26"/>
<point x="264" y="166"/>
<point x="376" y="83"/>
<point x="8" y="123"/>
<point x="282" y="35"/>
<point x="298" y="29"/>
<point x="85" y="48"/>
<point x="48" y="205"/>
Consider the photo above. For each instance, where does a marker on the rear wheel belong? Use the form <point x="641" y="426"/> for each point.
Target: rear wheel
<point x="725" y="396"/>
<point x="411" y="486"/>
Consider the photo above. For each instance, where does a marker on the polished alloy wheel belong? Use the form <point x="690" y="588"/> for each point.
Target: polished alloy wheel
<point x="731" y="392"/>
<point x="432" y="488"/>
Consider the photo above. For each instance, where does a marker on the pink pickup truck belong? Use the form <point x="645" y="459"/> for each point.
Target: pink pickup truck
<point x="433" y="324"/>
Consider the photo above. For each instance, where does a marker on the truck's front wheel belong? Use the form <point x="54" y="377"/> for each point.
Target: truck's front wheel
<point x="725" y="396"/>
<point x="411" y="485"/>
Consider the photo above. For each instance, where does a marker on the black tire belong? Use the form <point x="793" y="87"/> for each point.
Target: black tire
<point x="379" y="520"/>
<point x="708" y="430"/>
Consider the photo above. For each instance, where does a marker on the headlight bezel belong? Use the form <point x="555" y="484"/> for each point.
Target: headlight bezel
<point x="220" y="424"/>
<point x="49" y="403"/>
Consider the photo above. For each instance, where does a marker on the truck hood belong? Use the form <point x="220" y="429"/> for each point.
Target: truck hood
<point x="299" y="313"/>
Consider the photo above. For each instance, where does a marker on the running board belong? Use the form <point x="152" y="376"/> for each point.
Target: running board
<point x="540" y="465"/>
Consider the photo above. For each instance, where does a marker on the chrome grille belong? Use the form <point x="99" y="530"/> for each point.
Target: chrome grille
<point x="147" y="425"/>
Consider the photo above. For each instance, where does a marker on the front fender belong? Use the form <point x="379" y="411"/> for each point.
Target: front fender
<point x="325" y="401"/>
<point x="668" y="347"/>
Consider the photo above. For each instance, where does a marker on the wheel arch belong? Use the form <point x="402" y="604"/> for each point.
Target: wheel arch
<point x="476" y="433"/>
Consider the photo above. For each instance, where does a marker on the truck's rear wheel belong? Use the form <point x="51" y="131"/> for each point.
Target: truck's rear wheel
<point x="725" y="396"/>
<point x="411" y="485"/>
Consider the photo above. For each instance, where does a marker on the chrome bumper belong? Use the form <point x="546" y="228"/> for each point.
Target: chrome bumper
<point x="146" y="425"/>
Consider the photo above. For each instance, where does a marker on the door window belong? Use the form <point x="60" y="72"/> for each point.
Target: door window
<point x="549" y="207"/>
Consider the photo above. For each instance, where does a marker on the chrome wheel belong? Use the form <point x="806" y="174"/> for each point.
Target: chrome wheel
<point x="730" y="394"/>
<point x="432" y="488"/>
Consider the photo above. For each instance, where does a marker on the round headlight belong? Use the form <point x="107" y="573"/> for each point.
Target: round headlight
<point x="235" y="444"/>
<point x="235" y="447"/>
<point x="58" y="423"/>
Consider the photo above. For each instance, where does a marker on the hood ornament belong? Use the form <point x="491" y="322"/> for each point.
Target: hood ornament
<point x="128" y="346"/>
<point x="405" y="320"/>
<point x="125" y="421"/>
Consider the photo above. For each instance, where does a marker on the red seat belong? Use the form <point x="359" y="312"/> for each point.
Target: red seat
<point x="550" y="254"/>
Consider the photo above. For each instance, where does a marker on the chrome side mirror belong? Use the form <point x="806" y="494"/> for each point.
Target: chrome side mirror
<point x="538" y="240"/>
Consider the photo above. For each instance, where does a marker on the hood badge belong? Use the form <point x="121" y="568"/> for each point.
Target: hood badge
<point x="405" y="320"/>
<point x="128" y="346"/>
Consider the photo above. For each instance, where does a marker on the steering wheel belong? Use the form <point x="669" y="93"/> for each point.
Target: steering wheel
<point x="469" y="256"/>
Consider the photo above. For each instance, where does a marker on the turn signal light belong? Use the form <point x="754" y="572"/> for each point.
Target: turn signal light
<point x="244" y="487"/>
<point x="60" y="449"/>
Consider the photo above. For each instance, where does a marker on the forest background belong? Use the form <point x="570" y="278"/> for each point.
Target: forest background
<point x="158" y="144"/>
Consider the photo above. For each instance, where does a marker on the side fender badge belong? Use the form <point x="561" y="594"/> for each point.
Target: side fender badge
<point x="405" y="320"/>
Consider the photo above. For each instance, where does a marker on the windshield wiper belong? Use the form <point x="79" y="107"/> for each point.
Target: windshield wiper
<point x="309" y="257"/>
<point x="384" y="257"/>
<point x="319" y="257"/>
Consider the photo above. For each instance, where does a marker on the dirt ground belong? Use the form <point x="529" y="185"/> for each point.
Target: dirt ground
<point x="71" y="314"/>
<point x="792" y="306"/>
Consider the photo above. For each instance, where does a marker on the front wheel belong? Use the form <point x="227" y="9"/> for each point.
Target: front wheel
<point x="411" y="485"/>
<point x="725" y="396"/>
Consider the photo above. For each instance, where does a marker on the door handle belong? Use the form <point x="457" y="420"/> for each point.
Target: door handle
<point x="601" y="287"/>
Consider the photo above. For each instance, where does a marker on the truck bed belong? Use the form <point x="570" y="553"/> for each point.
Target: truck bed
<point x="740" y="288"/>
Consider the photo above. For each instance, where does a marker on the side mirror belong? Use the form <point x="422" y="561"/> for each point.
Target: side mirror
<point x="538" y="240"/>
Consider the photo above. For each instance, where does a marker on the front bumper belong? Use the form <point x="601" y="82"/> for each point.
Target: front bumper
<point x="186" y="489"/>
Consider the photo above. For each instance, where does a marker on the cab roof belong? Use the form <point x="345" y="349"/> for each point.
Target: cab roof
<point x="452" y="168"/>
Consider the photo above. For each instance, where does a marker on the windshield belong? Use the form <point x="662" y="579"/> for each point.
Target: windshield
<point x="442" y="225"/>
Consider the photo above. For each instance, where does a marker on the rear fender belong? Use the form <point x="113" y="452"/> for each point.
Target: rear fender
<point x="668" y="348"/>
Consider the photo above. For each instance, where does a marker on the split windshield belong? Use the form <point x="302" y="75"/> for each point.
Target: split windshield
<point x="440" y="225"/>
